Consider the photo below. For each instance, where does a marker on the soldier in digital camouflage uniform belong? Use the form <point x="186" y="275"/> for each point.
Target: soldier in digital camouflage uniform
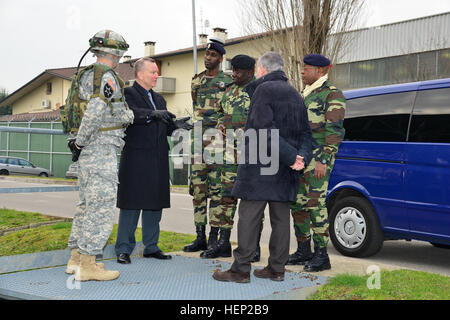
<point x="326" y="110"/>
<point x="100" y="138"/>
<point x="207" y="91"/>
<point x="234" y="108"/>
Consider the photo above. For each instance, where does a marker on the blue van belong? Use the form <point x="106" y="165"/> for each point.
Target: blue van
<point x="391" y="178"/>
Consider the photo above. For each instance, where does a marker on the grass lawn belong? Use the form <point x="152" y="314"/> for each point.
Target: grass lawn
<point x="54" y="237"/>
<point x="394" y="285"/>
<point x="12" y="218"/>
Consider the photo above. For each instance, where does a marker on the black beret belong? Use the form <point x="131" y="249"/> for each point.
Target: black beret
<point x="217" y="46"/>
<point x="243" y="62"/>
<point x="316" y="60"/>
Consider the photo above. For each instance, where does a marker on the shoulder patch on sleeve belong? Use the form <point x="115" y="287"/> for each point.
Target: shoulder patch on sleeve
<point x="110" y="85"/>
<point x="108" y="90"/>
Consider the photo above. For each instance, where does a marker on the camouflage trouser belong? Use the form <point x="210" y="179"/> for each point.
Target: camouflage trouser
<point x="205" y="183"/>
<point x="228" y="204"/>
<point x="96" y="211"/>
<point x="310" y="211"/>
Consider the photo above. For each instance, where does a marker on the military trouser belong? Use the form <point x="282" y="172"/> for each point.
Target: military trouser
<point x="224" y="216"/>
<point x="205" y="183"/>
<point x="310" y="211"/>
<point x="94" y="218"/>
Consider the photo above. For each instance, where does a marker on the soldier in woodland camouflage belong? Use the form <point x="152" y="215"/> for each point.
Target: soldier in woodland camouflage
<point x="99" y="139"/>
<point x="207" y="90"/>
<point x="326" y="110"/>
<point x="234" y="110"/>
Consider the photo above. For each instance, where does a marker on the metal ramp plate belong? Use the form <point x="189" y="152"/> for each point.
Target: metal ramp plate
<point x="182" y="278"/>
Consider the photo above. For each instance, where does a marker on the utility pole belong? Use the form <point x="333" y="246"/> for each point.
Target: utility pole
<point x="194" y="37"/>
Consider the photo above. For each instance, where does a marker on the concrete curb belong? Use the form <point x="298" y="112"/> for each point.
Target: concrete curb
<point x="68" y="183"/>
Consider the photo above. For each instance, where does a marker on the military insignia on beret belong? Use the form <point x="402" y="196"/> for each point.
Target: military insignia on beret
<point x="108" y="91"/>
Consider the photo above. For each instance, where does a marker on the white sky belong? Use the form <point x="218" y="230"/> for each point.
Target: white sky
<point x="47" y="34"/>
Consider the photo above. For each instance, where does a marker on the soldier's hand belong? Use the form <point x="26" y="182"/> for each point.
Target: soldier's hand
<point x="320" y="171"/>
<point x="75" y="149"/>
<point x="162" y="115"/>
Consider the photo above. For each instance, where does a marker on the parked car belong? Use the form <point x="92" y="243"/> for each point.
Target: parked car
<point x="392" y="172"/>
<point x="19" y="166"/>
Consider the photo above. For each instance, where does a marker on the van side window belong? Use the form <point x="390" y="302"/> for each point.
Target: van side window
<point x="431" y="117"/>
<point x="2" y="160"/>
<point x="379" y="118"/>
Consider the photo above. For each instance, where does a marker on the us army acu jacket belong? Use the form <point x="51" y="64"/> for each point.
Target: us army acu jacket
<point x="100" y="114"/>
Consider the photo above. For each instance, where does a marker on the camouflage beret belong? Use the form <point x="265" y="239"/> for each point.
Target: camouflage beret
<point x="316" y="60"/>
<point x="243" y="62"/>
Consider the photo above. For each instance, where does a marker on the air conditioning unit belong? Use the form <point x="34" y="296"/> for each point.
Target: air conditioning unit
<point x="45" y="104"/>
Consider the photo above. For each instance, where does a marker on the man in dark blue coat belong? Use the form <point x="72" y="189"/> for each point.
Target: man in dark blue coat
<point x="278" y="121"/>
<point x="144" y="165"/>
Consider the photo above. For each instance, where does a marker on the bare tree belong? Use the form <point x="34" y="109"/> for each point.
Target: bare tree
<point x="299" y="27"/>
<point x="4" y="110"/>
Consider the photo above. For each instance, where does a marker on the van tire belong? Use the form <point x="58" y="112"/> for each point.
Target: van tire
<point x="374" y="237"/>
<point x="4" y="172"/>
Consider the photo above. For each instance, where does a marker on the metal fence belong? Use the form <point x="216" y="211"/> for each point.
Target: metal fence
<point x="44" y="145"/>
<point x="43" y="150"/>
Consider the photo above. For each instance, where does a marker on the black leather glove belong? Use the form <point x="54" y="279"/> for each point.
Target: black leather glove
<point x="182" y="124"/>
<point x="74" y="149"/>
<point x="162" y="115"/>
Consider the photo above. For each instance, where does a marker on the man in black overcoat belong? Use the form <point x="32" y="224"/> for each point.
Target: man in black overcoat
<point x="277" y="118"/>
<point x="144" y="165"/>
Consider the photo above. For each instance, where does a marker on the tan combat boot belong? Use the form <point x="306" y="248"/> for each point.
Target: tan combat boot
<point x="89" y="270"/>
<point x="74" y="262"/>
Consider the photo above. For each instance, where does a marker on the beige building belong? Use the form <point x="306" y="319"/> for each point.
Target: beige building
<point x="48" y="91"/>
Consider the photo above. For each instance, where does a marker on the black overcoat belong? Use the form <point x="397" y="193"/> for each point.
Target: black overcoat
<point x="274" y="104"/>
<point x="144" y="162"/>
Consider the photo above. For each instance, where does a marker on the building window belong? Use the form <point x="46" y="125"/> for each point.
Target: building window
<point x="49" y="88"/>
<point x="228" y="65"/>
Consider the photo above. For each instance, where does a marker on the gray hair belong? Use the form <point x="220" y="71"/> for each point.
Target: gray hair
<point x="139" y="65"/>
<point x="271" y="61"/>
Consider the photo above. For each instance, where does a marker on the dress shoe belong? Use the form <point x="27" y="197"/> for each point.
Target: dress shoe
<point x="158" y="255"/>
<point x="124" y="258"/>
<point x="268" y="273"/>
<point x="231" y="276"/>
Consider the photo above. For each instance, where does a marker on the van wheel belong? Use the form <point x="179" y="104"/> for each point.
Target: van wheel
<point x="4" y="172"/>
<point x="43" y="174"/>
<point x="354" y="228"/>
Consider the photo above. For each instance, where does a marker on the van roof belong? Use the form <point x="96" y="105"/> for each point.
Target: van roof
<point x="396" y="88"/>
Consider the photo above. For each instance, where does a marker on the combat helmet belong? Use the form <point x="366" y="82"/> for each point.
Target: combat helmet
<point x="108" y="41"/>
